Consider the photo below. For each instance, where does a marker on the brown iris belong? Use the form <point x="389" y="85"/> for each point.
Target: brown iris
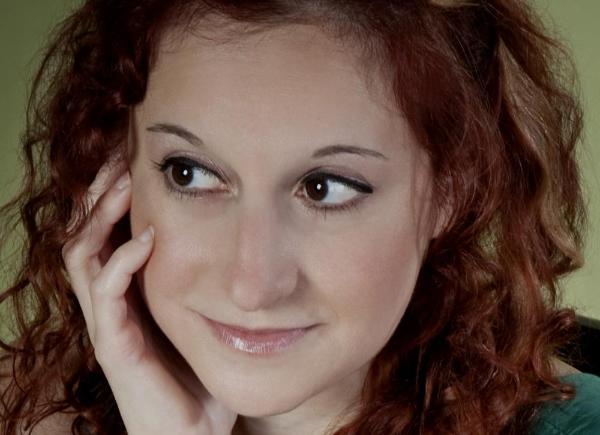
<point x="316" y="187"/>
<point x="182" y="174"/>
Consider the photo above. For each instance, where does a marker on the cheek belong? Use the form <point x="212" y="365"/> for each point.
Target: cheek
<point x="176" y="261"/>
<point x="371" y="279"/>
<point x="179" y="251"/>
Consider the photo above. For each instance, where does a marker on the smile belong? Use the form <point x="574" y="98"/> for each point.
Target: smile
<point x="258" y="342"/>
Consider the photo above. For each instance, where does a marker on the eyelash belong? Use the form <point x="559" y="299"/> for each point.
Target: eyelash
<point x="164" y="165"/>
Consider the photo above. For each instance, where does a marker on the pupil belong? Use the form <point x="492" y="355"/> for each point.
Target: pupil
<point x="317" y="187"/>
<point x="182" y="174"/>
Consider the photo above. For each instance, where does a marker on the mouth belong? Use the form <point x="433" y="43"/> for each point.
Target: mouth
<point x="256" y="341"/>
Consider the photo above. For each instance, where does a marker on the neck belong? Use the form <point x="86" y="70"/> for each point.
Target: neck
<point x="321" y="414"/>
<point x="313" y="426"/>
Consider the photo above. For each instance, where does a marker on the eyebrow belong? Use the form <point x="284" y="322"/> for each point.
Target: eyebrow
<point x="191" y="138"/>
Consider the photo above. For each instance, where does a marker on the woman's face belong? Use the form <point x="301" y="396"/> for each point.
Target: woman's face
<point x="254" y="247"/>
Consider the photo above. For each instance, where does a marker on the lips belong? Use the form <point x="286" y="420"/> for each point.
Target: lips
<point x="257" y="341"/>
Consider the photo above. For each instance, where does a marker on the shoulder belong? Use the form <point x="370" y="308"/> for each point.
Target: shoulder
<point x="54" y="424"/>
<point x="579" y="416"/>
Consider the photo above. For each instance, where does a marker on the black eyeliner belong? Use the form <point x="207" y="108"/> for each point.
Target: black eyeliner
<point x="320" y="172"/>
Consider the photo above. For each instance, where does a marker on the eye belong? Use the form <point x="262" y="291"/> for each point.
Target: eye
<point x="333" y="191"/>
<point x="187" y="178"/>
<point x="184" y="176"/>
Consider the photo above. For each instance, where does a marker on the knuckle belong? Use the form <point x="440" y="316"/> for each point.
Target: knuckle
<point x="107" y="209"/>
<point x="102" y="214"/>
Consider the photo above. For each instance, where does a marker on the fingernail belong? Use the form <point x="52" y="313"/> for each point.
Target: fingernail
<point x="123" y="181"/>
<point x="147" y="234"/>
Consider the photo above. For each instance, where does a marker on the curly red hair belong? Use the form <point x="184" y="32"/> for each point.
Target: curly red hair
<point x="491" y="97"/>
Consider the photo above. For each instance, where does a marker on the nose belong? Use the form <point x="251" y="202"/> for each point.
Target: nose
<point x="264" y="271"/>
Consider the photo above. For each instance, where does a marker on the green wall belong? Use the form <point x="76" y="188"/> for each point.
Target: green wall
<point x="577" y="20"/>
<point x="23" y="29"/>
<point x="24" y="25"/>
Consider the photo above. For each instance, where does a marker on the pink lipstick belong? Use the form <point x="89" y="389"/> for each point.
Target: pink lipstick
<point x="261" y="342"/>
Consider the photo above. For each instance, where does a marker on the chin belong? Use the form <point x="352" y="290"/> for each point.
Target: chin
<point x="257" y="402"/>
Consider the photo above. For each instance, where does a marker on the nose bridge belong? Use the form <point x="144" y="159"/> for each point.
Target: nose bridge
<point x="263" y="272"/>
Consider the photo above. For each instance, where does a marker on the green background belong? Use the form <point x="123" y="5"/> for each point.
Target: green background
<point x="24" y="28"/>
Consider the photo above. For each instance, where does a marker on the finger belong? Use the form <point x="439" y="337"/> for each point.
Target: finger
<point x="107" y="291"/>
<point x="80" y="268"/>
<point x="111" y="207"/>
<point x="105" y="177"/>
<point x="89" y="242"/>
<point x="80" y="258"/>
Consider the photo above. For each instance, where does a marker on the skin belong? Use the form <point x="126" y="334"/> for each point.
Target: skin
<point x="156" y="389"/>
<point x="252" y="253"/>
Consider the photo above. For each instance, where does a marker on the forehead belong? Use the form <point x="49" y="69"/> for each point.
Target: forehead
<point x="295" y="64"/>
<point x="279" y="56"/>
<point x="292" y="87"/>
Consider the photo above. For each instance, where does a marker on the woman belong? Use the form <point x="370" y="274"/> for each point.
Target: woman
<point x="296" y="217"/>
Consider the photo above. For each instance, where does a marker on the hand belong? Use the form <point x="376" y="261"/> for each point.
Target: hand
<point x="152" y="396"/>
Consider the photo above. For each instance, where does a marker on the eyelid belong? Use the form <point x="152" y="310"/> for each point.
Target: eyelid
<point x="203" y="163"/>
<point x="168" y="162"/>
<point x="343" y="179"/>
<point x="193" y="162"/>
<point x="361" y="187"/>
<point x="208" y="165"/>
